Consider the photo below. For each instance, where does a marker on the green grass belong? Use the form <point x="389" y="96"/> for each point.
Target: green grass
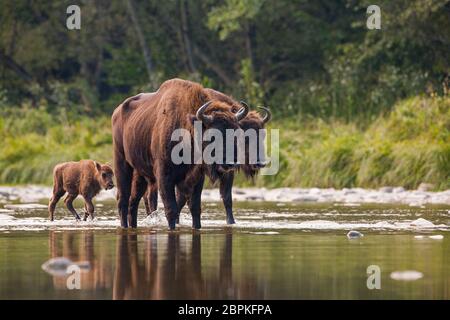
<point x="34" y="142"/>
<point x="408" y="146"/>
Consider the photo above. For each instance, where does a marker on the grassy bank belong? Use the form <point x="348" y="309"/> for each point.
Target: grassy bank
<point x="404" y="148"/>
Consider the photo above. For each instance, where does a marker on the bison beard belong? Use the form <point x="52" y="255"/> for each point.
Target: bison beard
<point x="142" y="127"/>
<point x="252" y="121"/>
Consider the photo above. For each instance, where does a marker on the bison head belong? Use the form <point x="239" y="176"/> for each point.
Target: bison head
<point x="105" y="176"/>
<point x="254" y="121"/>
<point x="220" y="117"/>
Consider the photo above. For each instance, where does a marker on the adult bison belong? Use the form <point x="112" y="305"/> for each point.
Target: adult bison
<point x="253" y="120"/>
<point x="142" y="128"/>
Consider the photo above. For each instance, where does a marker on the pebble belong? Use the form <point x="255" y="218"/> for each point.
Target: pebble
<point x="388" y="194"/>
<point x="407" y="275"/>
<point x="58" y="266"/>
<point x="354" y="234"/>
<point x="422" y="223"/>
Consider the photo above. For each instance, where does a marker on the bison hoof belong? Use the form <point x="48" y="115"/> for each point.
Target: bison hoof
<point x="196" y="225"/>
<point x="172" y="225"/>
<point x="231" y="221"/>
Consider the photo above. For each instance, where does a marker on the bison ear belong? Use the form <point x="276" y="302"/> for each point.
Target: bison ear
<point x="98" y="166"/>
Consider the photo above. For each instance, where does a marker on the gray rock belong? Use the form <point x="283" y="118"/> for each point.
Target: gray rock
<point x="305" y="199"/>
<point x="58" y="266"/>
<point x="353" y="234"/>
<point x="386" y="189"/>
<point x="425" y="187"/>
<point x="399" y="190"/>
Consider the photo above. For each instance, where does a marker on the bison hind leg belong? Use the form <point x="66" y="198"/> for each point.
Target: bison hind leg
<point x="57" y="194"/>
<point x="69" y="204"/>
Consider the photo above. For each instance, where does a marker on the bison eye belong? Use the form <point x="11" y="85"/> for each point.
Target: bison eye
<point x="104" y="175"/>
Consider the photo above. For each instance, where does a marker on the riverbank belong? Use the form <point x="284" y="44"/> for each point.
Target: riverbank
<point x="408" y="147"/>
<point x="349" y="196"/>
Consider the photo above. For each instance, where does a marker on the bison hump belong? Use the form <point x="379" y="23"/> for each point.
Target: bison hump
<point x="129" y="102"/>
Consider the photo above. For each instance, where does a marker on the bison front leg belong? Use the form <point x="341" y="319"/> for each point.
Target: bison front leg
<point x="167" y="191"/>
<point x="123" y="173"/>
<point x="195" y="204"/>
<point x="138" y="188"/>
<point x="226" y="185"/>
<point x="89" y="207"/>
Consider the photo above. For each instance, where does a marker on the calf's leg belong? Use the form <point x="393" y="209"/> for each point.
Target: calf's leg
<point x="69" y="204"/>
<point x="57" y="194"/>
<point x="89" y="207"/>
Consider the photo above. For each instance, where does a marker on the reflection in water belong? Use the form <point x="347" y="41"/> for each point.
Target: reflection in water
<point x="78" y="247"/>
<point x="153" y="266"/>
<point x="224" y="265"/>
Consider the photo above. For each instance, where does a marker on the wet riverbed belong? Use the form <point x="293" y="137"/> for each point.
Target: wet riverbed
<point x="277" y="250"/>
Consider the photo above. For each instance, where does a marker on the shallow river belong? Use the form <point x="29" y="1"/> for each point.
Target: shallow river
<point x="275" y="251"/>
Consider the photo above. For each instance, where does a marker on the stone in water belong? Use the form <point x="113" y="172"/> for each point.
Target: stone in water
<point x="352" y="234"/>
<point x="408" y="275"/>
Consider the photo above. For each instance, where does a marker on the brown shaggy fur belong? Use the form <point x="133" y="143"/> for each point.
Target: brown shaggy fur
<point x="85" y="178"/>
<point x="253" y="120"/>
<point x="142" y="128"/>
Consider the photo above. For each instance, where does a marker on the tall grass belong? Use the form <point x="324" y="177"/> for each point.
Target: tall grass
<point x="408" y="146"/>
<point x="33" y="141"/>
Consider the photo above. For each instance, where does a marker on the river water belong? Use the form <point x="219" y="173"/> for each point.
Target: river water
<point x="277" y="250"/>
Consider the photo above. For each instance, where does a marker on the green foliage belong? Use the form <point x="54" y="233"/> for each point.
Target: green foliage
<point x="232" y="15"/>
<point x="410" y="146"/>
<point x="332" y="81"/>
<point x="29" y="152"/>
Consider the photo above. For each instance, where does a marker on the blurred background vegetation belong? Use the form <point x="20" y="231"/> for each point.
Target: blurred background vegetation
<point x="355" y="107"/>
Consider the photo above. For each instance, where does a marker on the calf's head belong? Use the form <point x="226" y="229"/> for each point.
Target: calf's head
<point x="104" y="176"/>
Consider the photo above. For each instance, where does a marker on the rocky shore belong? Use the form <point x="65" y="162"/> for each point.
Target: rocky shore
<point x="385" y="195"/>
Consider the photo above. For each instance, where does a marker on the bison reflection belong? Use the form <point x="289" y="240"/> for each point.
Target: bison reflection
<point x="80" y="247"/>
<point x="158" y="266"/>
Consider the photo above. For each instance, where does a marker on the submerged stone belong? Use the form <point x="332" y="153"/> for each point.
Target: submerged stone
<point x="407" y="275"/>
<point x="58" y="266"/>
<point x="353" y="234"/>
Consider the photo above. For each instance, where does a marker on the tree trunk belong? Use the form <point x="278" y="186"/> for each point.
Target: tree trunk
<point x="187" y="42"/>
<point x="141" y="38"/>
<point x="215" y="67"/>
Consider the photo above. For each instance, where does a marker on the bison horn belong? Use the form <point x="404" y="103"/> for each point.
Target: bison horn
<point x="268" y="114"/>
<point x="242" y="113"/>
<point x="200" y="113"/>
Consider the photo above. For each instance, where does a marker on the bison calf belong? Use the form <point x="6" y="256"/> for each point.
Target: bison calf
<point x="85" y="177"/>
